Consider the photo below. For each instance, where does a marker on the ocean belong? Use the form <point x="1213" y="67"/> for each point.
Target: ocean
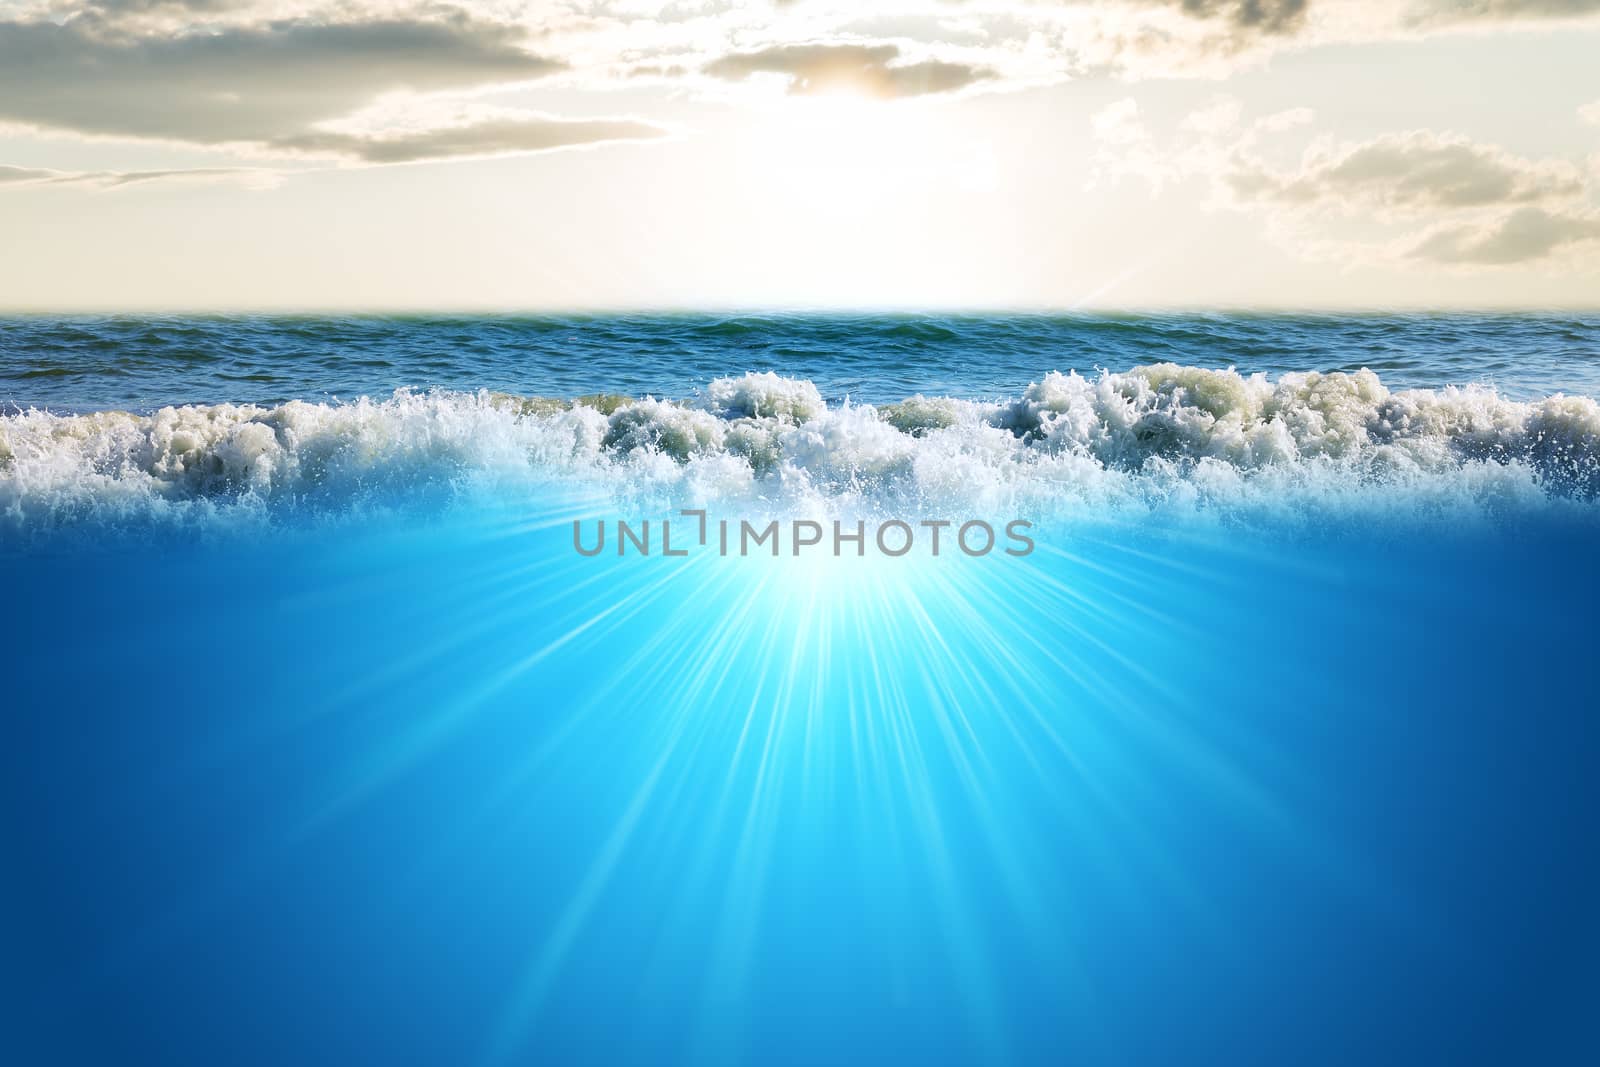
<point x="1259" y="728"/>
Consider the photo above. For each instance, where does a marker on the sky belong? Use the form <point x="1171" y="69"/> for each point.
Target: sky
<point x="1071" y="154"/>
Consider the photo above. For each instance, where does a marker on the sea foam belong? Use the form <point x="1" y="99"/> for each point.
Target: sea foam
<point x="1155" y="437"/>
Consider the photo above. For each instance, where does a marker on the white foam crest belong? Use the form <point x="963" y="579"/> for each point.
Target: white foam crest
<point x="1153" y="438"/>
<point x="763" y="396"/>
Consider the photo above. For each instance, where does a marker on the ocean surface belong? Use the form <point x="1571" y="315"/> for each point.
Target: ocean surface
<point x="141" y="363"/>
<point x="327" y="740"/>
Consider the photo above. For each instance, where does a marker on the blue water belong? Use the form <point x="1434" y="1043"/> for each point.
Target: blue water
<point x="141" y="363"/>
<point x="322" y="745"/>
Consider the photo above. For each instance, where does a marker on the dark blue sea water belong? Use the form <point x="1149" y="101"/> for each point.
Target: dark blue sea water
<point x="323" y="745"/>
<point x="141" y="363"/>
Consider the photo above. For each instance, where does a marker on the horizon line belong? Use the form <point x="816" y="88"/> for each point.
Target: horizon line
<point x="864" y="310"/>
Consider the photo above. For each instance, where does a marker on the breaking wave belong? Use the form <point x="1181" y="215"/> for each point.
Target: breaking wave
<point x="1152" y="438"/>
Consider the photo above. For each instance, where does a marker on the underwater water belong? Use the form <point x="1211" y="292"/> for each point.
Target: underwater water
<point x="325" y="744"/>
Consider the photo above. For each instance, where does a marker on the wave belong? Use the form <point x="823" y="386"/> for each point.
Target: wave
<point x="1156" y="437"/>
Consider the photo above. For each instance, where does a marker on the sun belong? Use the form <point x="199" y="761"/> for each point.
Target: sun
<point x="843" y="194"/>
<point x="841" y="148"/>
<point x="838" y="120"/>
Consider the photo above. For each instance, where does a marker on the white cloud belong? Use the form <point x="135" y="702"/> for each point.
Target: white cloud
<point x="1467" y="11"/>
<point x="19" y="175"/>
<point x="471" y="132"/>
<point x="211" y="85"/>
<point x="1118" y="123"/>
<point x="247" y="177"/>
<point x="1432" y="198"/>
<point x="1216" y="118"/>
<point x="1521" y="236"/>
<point x="253" y="74"/>
<point x="1406" y="174"/>
<point x="1287" y="119"/>
<point x="874" y="70"/>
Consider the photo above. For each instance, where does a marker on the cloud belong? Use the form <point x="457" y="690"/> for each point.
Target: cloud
<point x="873" y="70"/>
<point x="140" y="7"/>
<point x="1409" y="173"/>
<point x="1135" y="39"/>
<point x="372" y="139"/>
<point x="1118" y="123"/>
<point x="287" y="75"/>
<point x="1590" y="113"/>
<point x="1260" y="16"/>
<point x="231" y="71"/>
<point x="251" y="177"/>
<point x="1477" y="204"/>
<point x="1411" y="197"/>
<point x="1524" y="235"/>
<point x="1217" y="117"/>
<point x="1502" y="10"/>
<point x="17" y="175"/>
<point x="488" y="136"/>
<point x="242" y="83"/>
